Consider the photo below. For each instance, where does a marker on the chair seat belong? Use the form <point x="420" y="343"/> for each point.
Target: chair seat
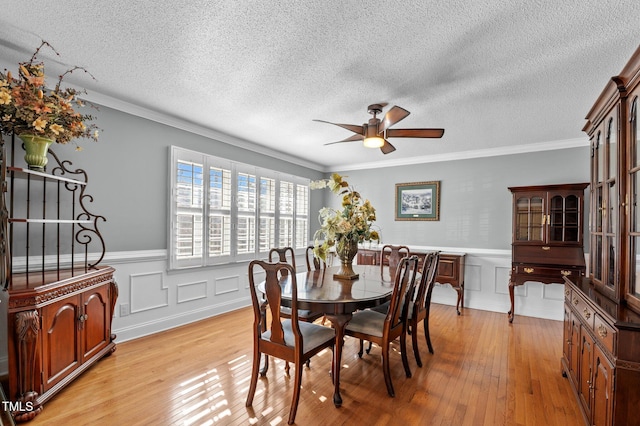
<point x="383" y="309"/>
<point x="303" y="314"/>
<point x="313" y="335"/>
<point x="368" y="322"/>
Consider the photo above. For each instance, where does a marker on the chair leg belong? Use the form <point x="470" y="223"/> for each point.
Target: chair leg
<point x="386" y="369"/>
<point x="286" y="368"/>
<point x="403" y="353"/>
<point x="369" y="348"/>
<point x="265" y="368"/>
<point x="296" y="394"/>
<point x="414" y="343"/>
<point x="254" y="378"/>
<point x="361" y="349"/>
<point x="426" y="333"/>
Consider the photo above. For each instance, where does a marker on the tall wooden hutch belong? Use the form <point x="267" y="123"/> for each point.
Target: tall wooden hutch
<point x="56" y="301"/>
<point x="601" y="349"/>
<point x="547" y="234"/>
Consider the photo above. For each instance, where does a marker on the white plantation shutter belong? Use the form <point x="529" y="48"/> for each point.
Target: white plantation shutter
<point x="302" y="216"/>
<point x="223" y="211"/>
<point x="267" y="214"/>
<point x="219" y="212"/>
<point x="188" y="235"/>
<point x="285" y="235"/>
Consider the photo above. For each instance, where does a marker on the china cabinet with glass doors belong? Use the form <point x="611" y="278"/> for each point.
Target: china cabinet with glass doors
<point x="601" y="348"/>
<point x="547" y="241"/>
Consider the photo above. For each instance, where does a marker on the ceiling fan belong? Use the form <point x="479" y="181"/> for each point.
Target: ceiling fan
<point x="374" y="134"/>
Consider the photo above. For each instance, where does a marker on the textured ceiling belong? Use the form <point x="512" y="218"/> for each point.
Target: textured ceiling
<point x="495" y="74"/>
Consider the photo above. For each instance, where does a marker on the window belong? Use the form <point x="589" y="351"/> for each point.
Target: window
<point x="223" y="211"/>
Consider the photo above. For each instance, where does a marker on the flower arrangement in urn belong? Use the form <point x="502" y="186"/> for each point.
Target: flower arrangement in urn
<point x="40" y="115"/>
<point x="344" y="228"/>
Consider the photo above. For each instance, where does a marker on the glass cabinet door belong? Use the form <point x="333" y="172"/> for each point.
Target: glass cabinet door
<point x="564" y="219"/>
<point x="633" y="292"/>
<point x="604" y="214"/>
<point x="530" y="218"/>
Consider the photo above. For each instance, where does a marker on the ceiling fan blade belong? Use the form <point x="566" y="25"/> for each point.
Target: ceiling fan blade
<point x="349" y="139"/>
<point x="354" y="128"/>
<point x="392" y="116"/>
<point x="414" y="133"/>
<point x="387" y="147"/>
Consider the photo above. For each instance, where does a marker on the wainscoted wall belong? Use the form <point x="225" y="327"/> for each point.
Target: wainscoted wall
<point x="152" y="300"/>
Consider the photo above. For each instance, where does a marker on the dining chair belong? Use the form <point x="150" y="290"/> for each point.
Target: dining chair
<point x="419" y="305"/>
<point x="284" y="254"/>
<point x="287" y="255"/>
<point x="314" y="263"/>
<point x="390" y="256"/>
<point x="383" y="329"/>
<point x="286" y="338"/>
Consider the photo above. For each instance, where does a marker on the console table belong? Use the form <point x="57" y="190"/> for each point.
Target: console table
<point x="450" y="268"/>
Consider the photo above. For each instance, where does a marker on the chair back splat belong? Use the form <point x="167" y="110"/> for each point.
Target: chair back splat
<point x="313" y="263"/>
<point x="390" y="256"/>
<point x="284" y="338"/>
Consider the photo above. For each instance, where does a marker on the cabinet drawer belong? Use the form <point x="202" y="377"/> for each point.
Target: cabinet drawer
<point x="605" y="333"/>
<point x="567" y="293"/>
<point x="584" y="311"/>
<point x="545" y="271"/>
<point x="548" y="255"/>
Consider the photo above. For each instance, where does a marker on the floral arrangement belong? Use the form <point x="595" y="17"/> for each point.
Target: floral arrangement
<point x="27" y="107"/>
<point x="354" y="222"/>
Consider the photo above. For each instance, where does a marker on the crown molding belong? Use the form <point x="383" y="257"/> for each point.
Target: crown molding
<point x="178" y="123"/>
<point x="466" y="155"/>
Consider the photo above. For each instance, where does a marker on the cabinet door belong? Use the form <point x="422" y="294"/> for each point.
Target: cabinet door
<point x="602" y="389"/>
<point x="60" y="343"/>
<point x="564" y="218"/>
<point x="605" y="206"/>
<point x="586" y="373"/>
<point x="367" y="257"/>
<point x="529" y="217"/>
<point x="95" y="323"/>
<point x="574" y="360"/>
<point x="633" y="292"/>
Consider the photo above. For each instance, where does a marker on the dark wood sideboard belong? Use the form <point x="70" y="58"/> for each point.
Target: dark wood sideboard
<point x="450" y="268"/>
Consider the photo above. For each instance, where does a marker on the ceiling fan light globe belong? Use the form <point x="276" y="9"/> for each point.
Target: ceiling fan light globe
<point x="373" y="142"/>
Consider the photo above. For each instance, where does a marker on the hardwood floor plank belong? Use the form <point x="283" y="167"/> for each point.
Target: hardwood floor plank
<point x="484" y="371"/>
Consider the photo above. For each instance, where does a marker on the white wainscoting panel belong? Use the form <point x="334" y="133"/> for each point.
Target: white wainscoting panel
<point x="190" y="291"/>
<point x="224" y="285"/>
<point x="148" y="291"/>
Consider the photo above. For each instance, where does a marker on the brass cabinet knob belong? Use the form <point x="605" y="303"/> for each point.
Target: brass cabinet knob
<point x="529" y="270"/>
<point x="565" y="273"/>
<point x="602" y="331"/>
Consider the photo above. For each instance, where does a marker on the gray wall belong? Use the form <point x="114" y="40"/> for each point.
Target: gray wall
<point x="128" y="171"/>
<point x="475" y="204"/>
<point x="128" y="175"/>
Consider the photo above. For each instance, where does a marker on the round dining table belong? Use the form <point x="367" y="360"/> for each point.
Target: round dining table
<point x="319" y="291"/>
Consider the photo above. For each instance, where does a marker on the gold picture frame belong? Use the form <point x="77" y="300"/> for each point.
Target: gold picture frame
<point x="418" y="201"/>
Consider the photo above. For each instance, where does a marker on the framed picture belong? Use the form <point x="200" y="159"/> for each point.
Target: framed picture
<point x="418" y="201"/>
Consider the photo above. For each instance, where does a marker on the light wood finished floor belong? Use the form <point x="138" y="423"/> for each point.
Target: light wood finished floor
<point x="484" y="372"/>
